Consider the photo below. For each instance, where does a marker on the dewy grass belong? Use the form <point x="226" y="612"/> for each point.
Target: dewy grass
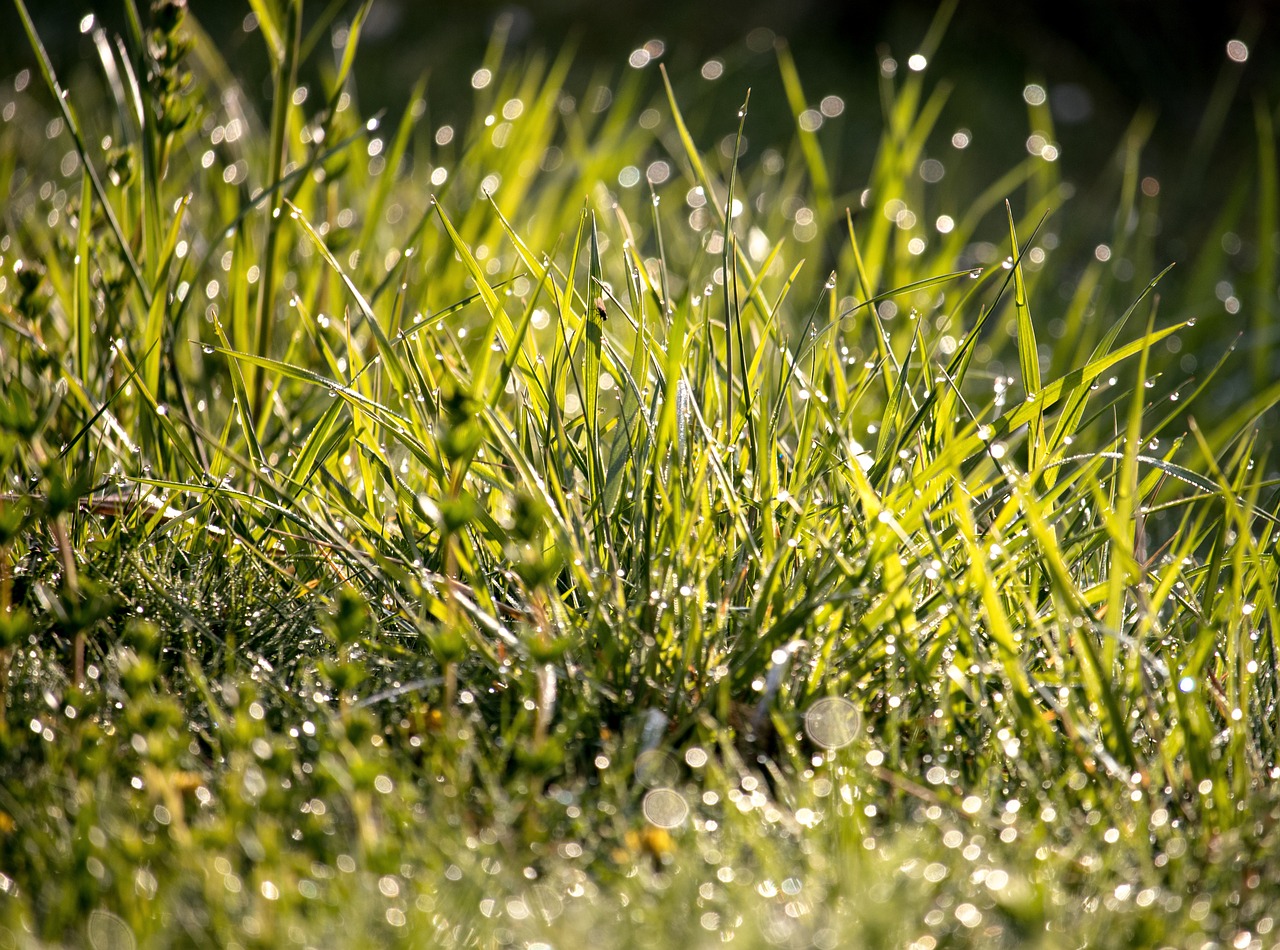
<point x="547" y="528"/>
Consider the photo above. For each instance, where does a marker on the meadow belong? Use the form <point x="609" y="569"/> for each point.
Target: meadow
<point x="597" y="520"/>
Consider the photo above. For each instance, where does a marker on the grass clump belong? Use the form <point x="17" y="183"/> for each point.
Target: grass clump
<point x="399" y="549"/>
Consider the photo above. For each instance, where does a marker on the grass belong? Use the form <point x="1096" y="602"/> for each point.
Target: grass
<point x="555" y="529"/>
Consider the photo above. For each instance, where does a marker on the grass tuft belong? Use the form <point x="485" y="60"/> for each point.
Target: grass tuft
<point x="503" y="534"/>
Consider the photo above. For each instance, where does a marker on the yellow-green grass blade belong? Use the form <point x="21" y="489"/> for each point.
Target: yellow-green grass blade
<point x="1028" y="355"/>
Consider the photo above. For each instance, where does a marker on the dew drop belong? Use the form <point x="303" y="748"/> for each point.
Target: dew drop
<point x="665" y="808"/>
<point x="832" y="722"/>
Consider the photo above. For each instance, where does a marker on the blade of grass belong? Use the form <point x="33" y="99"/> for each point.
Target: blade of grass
<point x="64" y="105"/>
<point x="83" y="299"/>
<point x="1028" y="354"/>
<point x="284" y="46"/>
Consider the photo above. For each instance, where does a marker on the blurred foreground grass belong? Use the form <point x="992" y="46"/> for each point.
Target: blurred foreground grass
<point x="559" y="527"/>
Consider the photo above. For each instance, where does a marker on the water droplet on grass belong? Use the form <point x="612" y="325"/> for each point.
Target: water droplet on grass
<point x="108" y="932"/>
<point x="665" y="808"/>
<point x="832" y="722"/>
<point x="655" y="768"/>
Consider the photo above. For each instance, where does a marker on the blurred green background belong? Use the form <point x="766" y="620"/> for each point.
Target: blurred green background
<point x="1102" y="62"/>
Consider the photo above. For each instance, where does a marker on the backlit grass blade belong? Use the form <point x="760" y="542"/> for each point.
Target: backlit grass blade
<point x="397" y="424"/>
<point x="732" y="319"/>
<point x="345" y="64"/>
<point x="686" y="140"/>
<point x="1073" y="410"/>
<point x="596" y="309"/>
<point x="498" y="323"/>
<point x="1028" y="354"/>
<point x="807" y="137"/>
<point x="64" y="106"/>
<point x="390" y="356"/>
<point x="329" y="432"/>
<point x="272" y="31"/>
<point x="284" y="45"/>
<point x="83" y="299"/>
<point x="149" y="139"/>
<point x="396" y="152"/>
<point x="242" y="412"/>
<point x="1123" y="566"/>
<point x="768" y="333"/>
<point x="233" y="226"/>
<point x="158" y="312"/>
<point x="1049" y="395"/>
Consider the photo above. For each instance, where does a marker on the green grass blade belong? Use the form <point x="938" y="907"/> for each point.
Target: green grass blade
<point x="596" y="310"/>
<point x="284" y="45"/>
<point x="808" y="138"/>
<point x="83" y="298"/>
<point x="498" y="324"/>
<point x="1028" y="354"/>
<point x="64" y="106"/>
